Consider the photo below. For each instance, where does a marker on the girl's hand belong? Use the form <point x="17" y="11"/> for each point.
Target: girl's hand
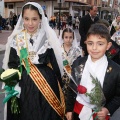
<point x="69" y="115"/>
<point x="103" y="113"/>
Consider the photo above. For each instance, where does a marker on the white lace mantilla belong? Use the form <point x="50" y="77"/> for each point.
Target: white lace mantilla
<point x="72" y="55"/>
<point x="33" y="53"/>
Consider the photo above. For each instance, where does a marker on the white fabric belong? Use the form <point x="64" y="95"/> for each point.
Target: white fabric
<point x="116" y="26"/>
<point x="72" y="55"/>
<point x="96" y="69"/>
<point x="85" y="113"/>
<point x="116" y="37"/>
<point x="45" y="30"/>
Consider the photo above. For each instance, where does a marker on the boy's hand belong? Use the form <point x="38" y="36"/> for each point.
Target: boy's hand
<point x="69" y="115"/>
<point x="103" y="113"/>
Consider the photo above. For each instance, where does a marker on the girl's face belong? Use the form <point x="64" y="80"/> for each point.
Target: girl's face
<point x="118" y="18"/>
<point x="68" y="38"/>
<point x="31" y="20"/>
<point x="97" y="46"/>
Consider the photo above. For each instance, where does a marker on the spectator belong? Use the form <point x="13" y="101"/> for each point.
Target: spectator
<point x="73" y="22"/>
<point x="77" y="23"/>
<point x="11" y="19"/>
<point x="70" y="20"/>
<point x="85" y="23"/>
<point x="14" y="20"/>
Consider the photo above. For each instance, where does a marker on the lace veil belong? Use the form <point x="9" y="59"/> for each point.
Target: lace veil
<point x="47" y="31"/>
<point x="74" y="44"/>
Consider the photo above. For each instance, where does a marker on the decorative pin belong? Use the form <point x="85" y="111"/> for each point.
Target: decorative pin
<point x="109" y="69"/>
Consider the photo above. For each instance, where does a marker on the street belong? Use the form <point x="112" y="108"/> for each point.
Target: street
<point x="3" y="40"/>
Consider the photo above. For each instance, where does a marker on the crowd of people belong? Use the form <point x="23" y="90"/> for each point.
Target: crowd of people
<point x="10" y="22"/>
<point x="64" y="21"/>
<point x="60" y="79"/>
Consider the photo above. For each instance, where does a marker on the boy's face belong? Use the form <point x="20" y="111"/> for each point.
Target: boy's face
<point x="97" y="46"/>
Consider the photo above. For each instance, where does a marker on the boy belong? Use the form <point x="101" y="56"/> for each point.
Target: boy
<point x="99" y="66"/>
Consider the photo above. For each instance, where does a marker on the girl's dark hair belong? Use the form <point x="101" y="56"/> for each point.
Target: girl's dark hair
<point x="100" y="30"/>
<point x="104" y="22"/>
<point x="31" y="7"/>
<point x="69" y="30"/>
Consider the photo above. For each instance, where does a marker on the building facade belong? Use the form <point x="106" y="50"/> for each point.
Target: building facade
<point x="52" y="7"/>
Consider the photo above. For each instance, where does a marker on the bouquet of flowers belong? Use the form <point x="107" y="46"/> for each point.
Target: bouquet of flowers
<point x="11" y="77"/>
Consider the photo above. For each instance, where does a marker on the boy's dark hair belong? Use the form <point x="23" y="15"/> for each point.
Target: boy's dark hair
<point x="100" y="30"/>
<point x="31" y="7"/>
<point x="69" y="30"/>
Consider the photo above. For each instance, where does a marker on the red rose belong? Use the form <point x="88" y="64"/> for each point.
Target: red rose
<point x="81" y="89"/>
<point x="113" y="51"/>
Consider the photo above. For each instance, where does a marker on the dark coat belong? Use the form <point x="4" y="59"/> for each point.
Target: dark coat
<point x="111" y="86"/>
<point x="84" y="26"/>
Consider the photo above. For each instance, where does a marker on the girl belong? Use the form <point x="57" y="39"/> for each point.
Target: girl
<point x="37" y="94"/>
<point x="70" y="52"/>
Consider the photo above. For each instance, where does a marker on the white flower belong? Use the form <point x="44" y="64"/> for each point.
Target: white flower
<point x="9" y="72"/>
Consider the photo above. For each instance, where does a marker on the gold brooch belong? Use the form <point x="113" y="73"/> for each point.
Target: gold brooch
<point x="109" y="69"/>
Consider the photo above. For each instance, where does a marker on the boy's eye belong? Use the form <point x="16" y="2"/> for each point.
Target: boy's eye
<point x="89" y="43"/>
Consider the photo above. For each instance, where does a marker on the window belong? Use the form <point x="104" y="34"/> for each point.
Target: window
<point x="10" y="6"/>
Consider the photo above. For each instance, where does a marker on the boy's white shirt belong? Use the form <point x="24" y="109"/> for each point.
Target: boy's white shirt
<point x="97" y="69"/>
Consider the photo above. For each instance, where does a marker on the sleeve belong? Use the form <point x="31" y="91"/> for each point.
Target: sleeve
<point x="55" y="66"/>
<point x="113" y="95"/>
<point x="14" y="61"/>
